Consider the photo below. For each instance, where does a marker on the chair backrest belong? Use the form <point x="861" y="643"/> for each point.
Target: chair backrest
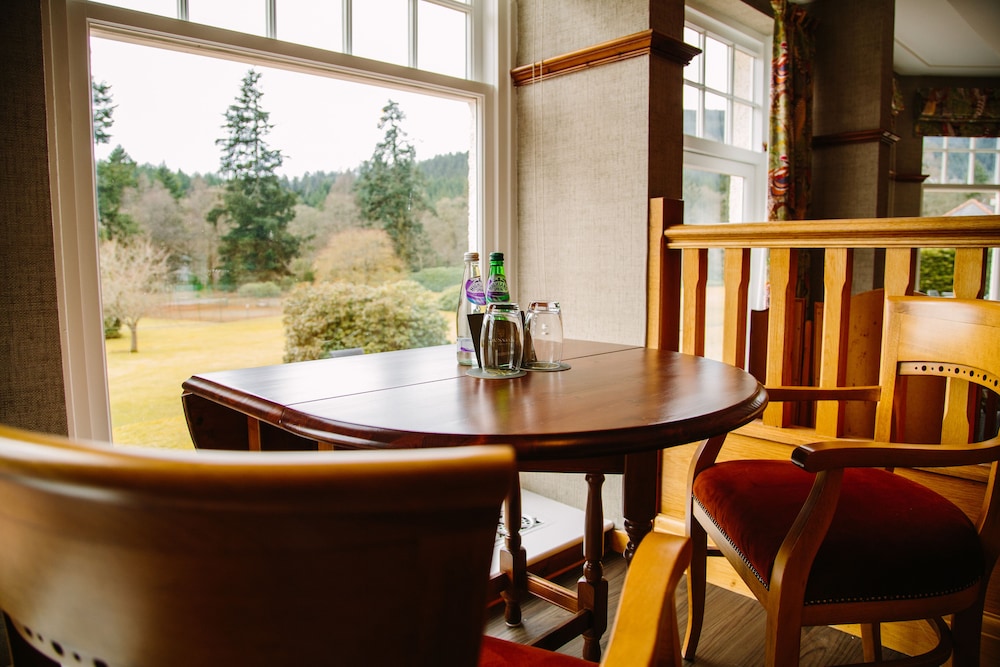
<point x="954" y="341"/>
<point x="121" y="556"/>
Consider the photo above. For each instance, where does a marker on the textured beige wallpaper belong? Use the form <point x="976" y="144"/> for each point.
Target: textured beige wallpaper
<point x="31" y="378"/>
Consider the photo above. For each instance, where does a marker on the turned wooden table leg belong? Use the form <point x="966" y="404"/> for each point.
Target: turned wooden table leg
<point x="640" y="497"/>
<point x="592" y="588"/>
<point x="513" y="558"/>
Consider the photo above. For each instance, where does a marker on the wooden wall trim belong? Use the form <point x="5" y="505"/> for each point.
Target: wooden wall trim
<point x="909" y="178"/>
<point x="857" y="137"/>
<point x="631" y="46"/>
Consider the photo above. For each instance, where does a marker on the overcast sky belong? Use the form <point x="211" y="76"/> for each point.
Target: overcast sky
<point x="171" y="108"/>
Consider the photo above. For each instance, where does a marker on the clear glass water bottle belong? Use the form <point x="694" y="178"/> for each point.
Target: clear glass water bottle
<point x="471" y="299"/>
<point x="497" y="290"/>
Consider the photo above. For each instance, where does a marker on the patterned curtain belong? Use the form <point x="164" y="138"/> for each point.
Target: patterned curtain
<point x="958" y="112"/>
<point x="789" y="153"/>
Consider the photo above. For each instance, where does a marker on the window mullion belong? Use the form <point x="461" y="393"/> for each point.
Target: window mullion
<point x="412" y="27"/>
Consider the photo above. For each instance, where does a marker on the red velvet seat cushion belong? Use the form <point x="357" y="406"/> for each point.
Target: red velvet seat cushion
<point x="891" y="538"/>
<point x="500" y="653"/>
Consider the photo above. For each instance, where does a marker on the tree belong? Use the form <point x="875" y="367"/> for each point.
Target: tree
<point x="390" y="188"/>
<point x="258" y="246"/>
<point x="362" y="256"/>
<point x="114" y="175"/>
<point x="103" y="110"/>
<point x="132" y="274"/>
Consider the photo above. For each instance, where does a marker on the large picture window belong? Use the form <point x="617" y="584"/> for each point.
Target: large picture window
<point x="328" y="106"/>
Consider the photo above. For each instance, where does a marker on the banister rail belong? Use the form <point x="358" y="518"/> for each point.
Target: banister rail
<point x="678" y="285"/>
<point x="937" y="232"/>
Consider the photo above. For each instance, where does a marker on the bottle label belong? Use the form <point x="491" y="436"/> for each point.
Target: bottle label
<point x="474" y="291"/>
<point x="496" y="289"/>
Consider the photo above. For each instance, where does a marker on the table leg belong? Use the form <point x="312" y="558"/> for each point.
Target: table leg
<point x="640" y="496"/>
<point x="513" y="557"/>
<point x="592" y="588"/>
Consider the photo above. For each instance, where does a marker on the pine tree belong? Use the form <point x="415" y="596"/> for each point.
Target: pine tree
<point x="115" y="174"/>
<point x="258" y="246"/>
<point x="390" y="189"/>
<point x="103" y="110"/>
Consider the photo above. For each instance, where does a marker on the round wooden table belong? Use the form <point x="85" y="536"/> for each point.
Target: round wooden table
<point x="612" y="411"/>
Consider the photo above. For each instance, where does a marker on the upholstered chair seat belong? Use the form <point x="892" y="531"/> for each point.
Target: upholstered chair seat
<point x="890" y="538"/>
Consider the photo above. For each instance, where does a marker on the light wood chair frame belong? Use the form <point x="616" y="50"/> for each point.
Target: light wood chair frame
<point x="917" y="330"/>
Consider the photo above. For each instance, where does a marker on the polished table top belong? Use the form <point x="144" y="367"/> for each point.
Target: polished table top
<point x="611" y="411"/>
<point x="614" y="400"/>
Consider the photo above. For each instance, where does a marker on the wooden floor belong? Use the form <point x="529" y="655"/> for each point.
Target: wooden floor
<point x="732" y="637"/>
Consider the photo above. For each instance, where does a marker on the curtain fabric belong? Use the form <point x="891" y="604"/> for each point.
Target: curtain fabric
<point x="789" y="152"/>
<point x="958" y="112"/>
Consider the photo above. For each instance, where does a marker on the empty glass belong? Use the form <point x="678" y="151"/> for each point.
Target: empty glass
<point x="501" y="340"/>
<point x="543" y="336"/>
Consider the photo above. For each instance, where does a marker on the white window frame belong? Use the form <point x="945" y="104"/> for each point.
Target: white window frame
<point x="71" y="152"/>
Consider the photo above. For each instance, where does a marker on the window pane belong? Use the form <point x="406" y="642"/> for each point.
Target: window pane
<point x="692" y="71"/>
<point x="311" y="23"/>
<point x="933" y="142"/>
<point x="691" y="96"/>
<point x="716" y="65"/>
<point x="249" y="16"/>
<point x="159" y="7"/>
<point x="989" y="143"/>
<point x="715" y="117"/>
<point x="943" y="202"/>
<point x="743" y="75"/>
<point x="958" y="168"/>
<point x="380" y="30"/>
<point x="742" y="125"/>
<point x="441" y="40"/>
<point x="709" y="197"/>
<point x="933" y="165"/>
<point x="168" y="115"/>
<point x="985" y="169"/>
<point x="958" y="142"/>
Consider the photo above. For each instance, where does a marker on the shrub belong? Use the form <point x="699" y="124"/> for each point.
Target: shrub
<point x="259" y="290"/>
<point x="937" y="269"/>
<point x="437" y="278"/>
<point x="325" y="317"/>
<point x="448" y="299"/>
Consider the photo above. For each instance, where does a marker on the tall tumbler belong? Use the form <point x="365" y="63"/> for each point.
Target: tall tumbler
<point x="543" y="336"/>
<point x="502" y="339"/>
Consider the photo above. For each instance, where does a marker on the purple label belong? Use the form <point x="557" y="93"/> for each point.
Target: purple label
<point x="474" y="291"/>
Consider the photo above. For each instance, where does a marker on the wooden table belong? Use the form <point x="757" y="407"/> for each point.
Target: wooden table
<point x="611" y="412"/>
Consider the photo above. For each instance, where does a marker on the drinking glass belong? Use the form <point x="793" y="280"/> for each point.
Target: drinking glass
<point x="501" y="340"/>
<point x="543" y="335"/>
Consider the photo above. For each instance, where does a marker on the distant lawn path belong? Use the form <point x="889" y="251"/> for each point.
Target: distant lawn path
<point x="145" y="388"/>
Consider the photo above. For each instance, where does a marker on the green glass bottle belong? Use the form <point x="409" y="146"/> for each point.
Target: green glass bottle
<point x="497" y="290"/>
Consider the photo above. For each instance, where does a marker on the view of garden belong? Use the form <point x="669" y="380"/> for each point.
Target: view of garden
<point x="246" y="268"/>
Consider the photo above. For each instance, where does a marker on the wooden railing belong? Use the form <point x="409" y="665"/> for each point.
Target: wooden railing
<point x="678" y="289"/>
<point x="845" y="345"/>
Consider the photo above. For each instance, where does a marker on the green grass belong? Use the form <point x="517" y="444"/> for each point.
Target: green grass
<point x="145" y="387"/>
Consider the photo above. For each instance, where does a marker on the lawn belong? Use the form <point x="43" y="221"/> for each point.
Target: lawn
<point x="145" y="387"/>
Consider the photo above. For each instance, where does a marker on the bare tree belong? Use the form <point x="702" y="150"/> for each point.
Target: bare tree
<point x="132" y="274"/>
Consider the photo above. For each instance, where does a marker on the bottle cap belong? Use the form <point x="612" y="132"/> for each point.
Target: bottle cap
<point x="496" y="256"/>
<point x="471" y="257"/>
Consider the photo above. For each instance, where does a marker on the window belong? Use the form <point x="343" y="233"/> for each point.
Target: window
<point x="963" y="179"/>
<point x="725" y="165"/>
<point x="307" y="47"/>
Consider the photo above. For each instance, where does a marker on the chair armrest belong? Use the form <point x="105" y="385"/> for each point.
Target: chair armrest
<point x="868" y="454"/>
<point x="645" y="630"/>
<point x="785" y="394"/>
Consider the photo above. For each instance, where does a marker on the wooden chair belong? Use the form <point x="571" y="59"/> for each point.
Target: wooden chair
<point x="645" y="631"/>
<point x="834" y="536"/>
<point x="121" y="556"/>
